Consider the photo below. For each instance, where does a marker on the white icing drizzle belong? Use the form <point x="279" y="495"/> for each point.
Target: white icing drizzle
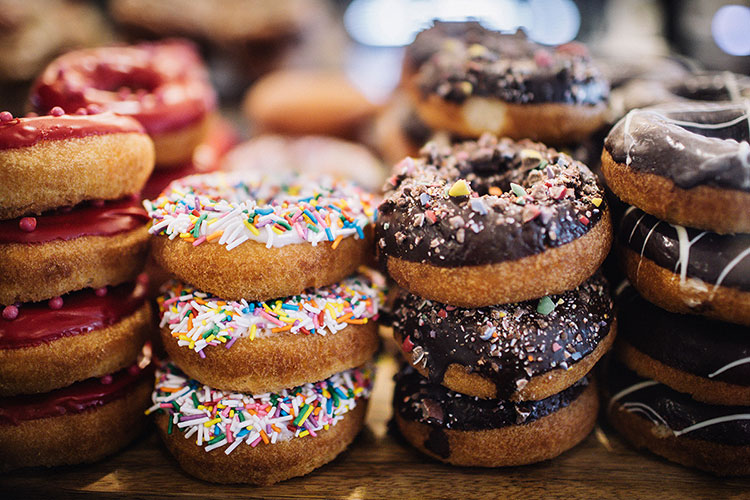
<point x="625" y="134"/>
<point x="707" y="126"/>
<point x="729" y="366"/>
<point x="631" y="389"/>
<point x="727" y="269"/>
<point x="730" y="82"/>
<point x="643" y="249"/>
<point x="685" y="244"/>
<point x="713" y="421"/>
<point x="646" y="411"/>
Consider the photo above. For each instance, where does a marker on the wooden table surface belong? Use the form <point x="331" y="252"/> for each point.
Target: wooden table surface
<point x="380" y="465"/>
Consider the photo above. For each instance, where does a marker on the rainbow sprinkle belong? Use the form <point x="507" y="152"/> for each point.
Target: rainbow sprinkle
<point x="198" y="319"/>
<point x="216" y="418"/>
<point x="232" y="208"/>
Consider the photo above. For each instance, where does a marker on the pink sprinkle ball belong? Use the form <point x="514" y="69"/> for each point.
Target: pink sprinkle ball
<point x="142" y="279"/>
<point x="82" y="111"/>
<point x="106" y="380"/>
<point x="101" y="292"/>
<point x="6" y="116"/>
<point x="27" y="224"/>
<point x="55" y="303"/>
<point x="10" y="313"/>
<point x="94" y="109"/>
<point x="57" y="111"/>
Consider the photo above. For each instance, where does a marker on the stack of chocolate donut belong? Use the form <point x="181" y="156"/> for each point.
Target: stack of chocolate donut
<point x="497" y="246"/>
<point x="270" y="329"/>
<point x="680" y="385"/>
<point x="73" y="239"/>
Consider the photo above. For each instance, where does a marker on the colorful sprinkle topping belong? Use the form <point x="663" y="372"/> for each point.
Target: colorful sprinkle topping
<point x="233" y="208"/>
<point x="198" y="319"/>
<point x="216" y="418"/>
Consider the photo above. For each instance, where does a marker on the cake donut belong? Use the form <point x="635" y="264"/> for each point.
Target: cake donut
<point x="686" y="270"/>
<point x="464" y="430"/>
<point x="525" y="351"/>
<point x="81" y="423"/>
<point x="257" y="347"/>
<point x="163" y="85"/>
<point x="687" y="164"/>
<point x="248" y="236"/>
<point x="510" y="86"/>
<point x="492" y="221"/>
<point x="672" y="348"/>
<point x="231" y="437"/>
<point x="669" y="423"/>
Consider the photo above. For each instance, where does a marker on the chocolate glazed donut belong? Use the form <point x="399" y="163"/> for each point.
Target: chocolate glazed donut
<point x="687" y="270"/>
<point x="492" y="221"/>
<point x="688" y="164"/>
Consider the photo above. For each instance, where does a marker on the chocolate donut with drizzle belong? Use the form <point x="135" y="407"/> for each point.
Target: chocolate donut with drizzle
<point x="529" y="350"/>
<point x="686" y="270"/>
<point x="688" y="164"/>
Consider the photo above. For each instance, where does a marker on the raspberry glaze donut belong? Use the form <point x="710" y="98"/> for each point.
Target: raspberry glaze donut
<point x="163" y="85"/>
<point x="492" y="221"/>
<point x="245" y="236"/>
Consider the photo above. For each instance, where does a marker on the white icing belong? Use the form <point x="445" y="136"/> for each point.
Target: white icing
<point x="729" y="366"/>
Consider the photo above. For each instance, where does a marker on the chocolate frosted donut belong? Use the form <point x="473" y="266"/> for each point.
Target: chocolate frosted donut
<point x="673" y="349"/>
<point x="516" y="351"/>
<point x="464" y="430"/>
<point x="688" y="164"/>
<point x="671" y="424"/>
<point x="492" y="221"/>
<point x="687" y="270"/>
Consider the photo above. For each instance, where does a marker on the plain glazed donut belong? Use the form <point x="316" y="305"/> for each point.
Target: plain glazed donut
<point x="245" y="236"/>
<point x="688" y="164"/>
<point x="48" y="162"/>
<point x="492" y="221"/>
<point x="266" y="438"/>
<point x="259" y="347"/>
<point x="163" y="85"/>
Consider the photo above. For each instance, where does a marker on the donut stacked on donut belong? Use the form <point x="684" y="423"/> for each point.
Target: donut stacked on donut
<point x="679" y="386"/>
<point x="503" y="312"/>
<point x="269" y="318"/>
<point x="73" y="240"/>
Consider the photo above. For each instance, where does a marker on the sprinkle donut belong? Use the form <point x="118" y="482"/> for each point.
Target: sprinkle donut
<point x="231" y="437"/>
<point x="492" y="221"/>
<point x="686" y="270"/>
<point x="259" y="347"/>
<point x="163" y="85"/>
<point x="243" y="236"/>
<point x="687" y="164"/>
<point x="525" y="351"/>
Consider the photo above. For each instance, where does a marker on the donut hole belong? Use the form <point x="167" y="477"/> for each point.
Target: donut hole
<point x="721" y="123"/>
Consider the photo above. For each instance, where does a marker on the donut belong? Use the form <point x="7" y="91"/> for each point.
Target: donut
<point x="257" y="347"/>
<point x="468" y="431"/>
<point x="526" y="351"/>
<point x="686" y="270"/>
<point x="81" y="423"/>
<point x="246" y="236"/>
<point x="510" y="86"/>
<point x="163" y="85"/>
<point x="492" y="221"/>
<point x="688" y="164"/>
<point x="84" y="334"/>
<point x="707" y="359"/>
<point x="669" y="423"/>
<point x="260" y="439"/>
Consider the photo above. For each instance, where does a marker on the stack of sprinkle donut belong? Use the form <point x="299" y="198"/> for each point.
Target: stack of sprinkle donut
<point x="269" y="324"/>
<point x="680" y="384"/>
<point x="74" y="377"/>
<point x="496" y="244"/>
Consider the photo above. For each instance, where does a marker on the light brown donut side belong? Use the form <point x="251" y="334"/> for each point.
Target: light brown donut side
<point x="175" y="148"/>
<point x="54" y="174"/>
<point x="39" y="271"/>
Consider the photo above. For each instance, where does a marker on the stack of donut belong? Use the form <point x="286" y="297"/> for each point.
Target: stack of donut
<point x="73" y="240"/>
<point x="269" y="327"/>
<point x="680" y="385"/>
<point x="497" y="246"/>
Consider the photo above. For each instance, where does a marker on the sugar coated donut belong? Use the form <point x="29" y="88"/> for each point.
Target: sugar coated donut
<point x="246" y="236"/>
<point x="259" y="439"/>
<point x="529" y="350"/>
<point x="464" y="430"/>
<point x="163" y="85"/>
<point x="258" y="347"/>
<point x="492" y="221"/>
<point x="51" y="161"/>
<point x="687" y="270"/>
<point x="687" y="164"/>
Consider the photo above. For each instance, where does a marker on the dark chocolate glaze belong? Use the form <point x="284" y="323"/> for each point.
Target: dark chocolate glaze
<point x="712" y="86"/>
<point x="432" y="40"/>
<point x="521" y="342"/>
<point x="691" y="144"/>
<point x="666" y="407"/>
<point x="419" y="222"/>
<point x="709" y="256"/>
<point x="695" y="345"/>
<point x="473" y="61"/>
